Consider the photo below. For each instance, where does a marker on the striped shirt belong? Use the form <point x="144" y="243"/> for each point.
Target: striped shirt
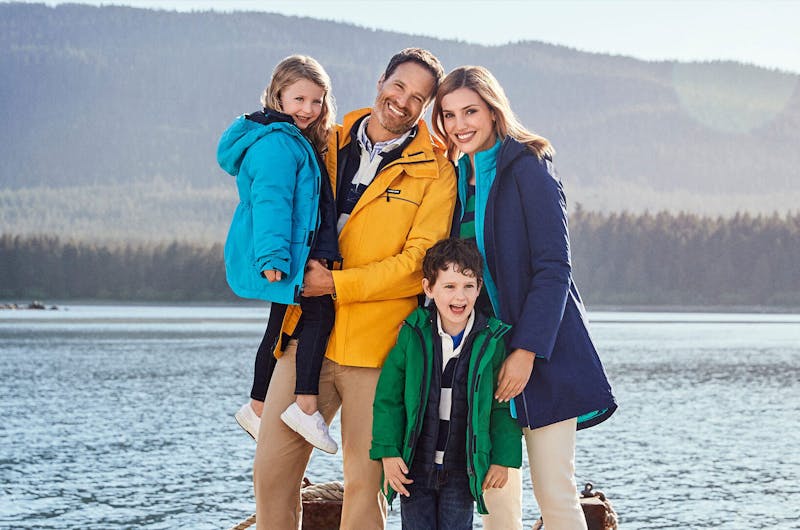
<point x="451" y="348"/>
<point x="371" y="157"/>
<point x="483" y="303"/>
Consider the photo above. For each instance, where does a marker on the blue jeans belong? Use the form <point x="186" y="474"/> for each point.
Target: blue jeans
<point x="439" y="501"/>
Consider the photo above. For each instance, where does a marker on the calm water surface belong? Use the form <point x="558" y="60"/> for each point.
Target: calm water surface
<point x="121" y="417"/>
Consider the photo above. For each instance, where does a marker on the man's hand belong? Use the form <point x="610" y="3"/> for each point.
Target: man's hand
<point x="394" y="475"/>
<point x="514" y="374"/>
<point x="496" y="477"/>
<point x="272" y="275"/>
<point x="317" y="280"/>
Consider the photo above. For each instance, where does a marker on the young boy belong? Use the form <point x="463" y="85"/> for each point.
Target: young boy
<point x="442" y="437"/>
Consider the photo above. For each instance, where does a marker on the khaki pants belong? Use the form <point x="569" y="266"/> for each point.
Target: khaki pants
<point x="551" y="455"/>
<point x="282" y="455"/>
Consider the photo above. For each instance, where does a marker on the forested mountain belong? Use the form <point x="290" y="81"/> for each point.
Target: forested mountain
<point x="115" y="99"/>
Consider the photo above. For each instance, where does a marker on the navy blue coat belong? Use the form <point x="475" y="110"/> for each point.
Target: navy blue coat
<point x="527" y="252"/>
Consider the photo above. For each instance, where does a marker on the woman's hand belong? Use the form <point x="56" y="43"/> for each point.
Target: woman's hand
<point x="514" y="374"/>
<point x="273" y="275"/>
<point x="496" y="477"/>
<point x="394" y="475"/>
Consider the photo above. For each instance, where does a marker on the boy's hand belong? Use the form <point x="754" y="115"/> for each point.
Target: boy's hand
<point x="394" y="475"/>
<point x="514" y="374"/>
<point x="496" y="477"/>
<point x="273" y="275"/>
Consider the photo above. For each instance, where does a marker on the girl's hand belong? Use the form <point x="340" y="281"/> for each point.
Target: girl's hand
<point x="514" y="374"/>
<point x="273" y="275"/>
<point x="496" y="477"/>
<point x="394" y="475"/>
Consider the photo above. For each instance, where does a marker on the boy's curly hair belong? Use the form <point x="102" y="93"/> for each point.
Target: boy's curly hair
<point x="462" y="253"/>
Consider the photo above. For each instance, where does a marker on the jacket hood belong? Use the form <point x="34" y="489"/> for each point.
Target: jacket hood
<point x="423" y="142"/>
<point x="246" y="130"/>
<point x="512" y="149"/>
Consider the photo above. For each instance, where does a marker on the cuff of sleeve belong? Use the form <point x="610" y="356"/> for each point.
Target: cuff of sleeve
<point x="339" y="285"/>
<point x="378" y="451"/>
<point x="274" y="264"/>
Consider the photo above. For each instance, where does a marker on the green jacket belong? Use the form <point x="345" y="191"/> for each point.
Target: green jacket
<point x="402" y="395"/>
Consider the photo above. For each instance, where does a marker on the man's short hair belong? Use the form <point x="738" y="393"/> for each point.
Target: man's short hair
<point x="462" y="253"/>
<point x="423" y="58"/>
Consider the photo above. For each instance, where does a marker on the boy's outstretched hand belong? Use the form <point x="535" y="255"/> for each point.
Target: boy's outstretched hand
<point x="496" y="477"/>
<point x="394" y="474"/>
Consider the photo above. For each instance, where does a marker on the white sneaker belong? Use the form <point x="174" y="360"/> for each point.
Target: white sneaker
<point x="311" y="427"/>
<point x="247" y="420"/>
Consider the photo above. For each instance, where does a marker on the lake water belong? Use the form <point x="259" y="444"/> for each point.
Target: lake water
<point x="121" y="417"/>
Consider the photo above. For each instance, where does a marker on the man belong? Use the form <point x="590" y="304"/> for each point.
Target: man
<point x="395" y="194"/>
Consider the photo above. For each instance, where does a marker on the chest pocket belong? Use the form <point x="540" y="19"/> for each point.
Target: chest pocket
<point x="397" y="196"/>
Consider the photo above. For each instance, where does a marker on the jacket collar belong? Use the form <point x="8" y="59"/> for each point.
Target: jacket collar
<point x="425" y="317"/>
<point x="268" y="115"/>
<point x="417" y="155"/>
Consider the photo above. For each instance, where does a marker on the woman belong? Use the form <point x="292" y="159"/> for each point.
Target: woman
<point x="513" y="205"/>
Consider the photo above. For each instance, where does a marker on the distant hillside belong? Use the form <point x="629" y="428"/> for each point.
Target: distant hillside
<point x="100" y="97"/>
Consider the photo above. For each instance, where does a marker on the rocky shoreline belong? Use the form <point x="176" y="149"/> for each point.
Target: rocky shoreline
<point x="36" y="304"/>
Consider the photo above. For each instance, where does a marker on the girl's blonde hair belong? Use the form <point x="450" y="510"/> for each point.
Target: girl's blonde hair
<point x="293" y="69"/>
<point x="482" y="82"/>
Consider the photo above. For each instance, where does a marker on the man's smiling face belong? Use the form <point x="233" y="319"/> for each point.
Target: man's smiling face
<point x="401" y="101"/>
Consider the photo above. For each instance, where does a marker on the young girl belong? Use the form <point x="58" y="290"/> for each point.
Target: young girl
<point x="512" y="204"/>
<point x="285" y="217"/>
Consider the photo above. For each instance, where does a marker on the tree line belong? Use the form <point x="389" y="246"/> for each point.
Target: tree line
<point x="619" y="259"/>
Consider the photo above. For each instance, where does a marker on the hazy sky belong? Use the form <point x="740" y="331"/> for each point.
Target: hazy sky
<point x="765" y="32"/>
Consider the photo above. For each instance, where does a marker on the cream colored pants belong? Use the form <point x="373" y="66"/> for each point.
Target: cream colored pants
<point x="551" y="455"/>
<point x="282" y="455"/>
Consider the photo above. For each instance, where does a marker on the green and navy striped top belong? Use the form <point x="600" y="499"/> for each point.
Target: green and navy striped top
<point x="483" y="304"/>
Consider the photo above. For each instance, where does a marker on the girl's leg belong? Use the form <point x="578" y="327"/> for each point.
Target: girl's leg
<point x="551" y="453"/>
<point x="248" y="416"/>
<point x="265" y="360"/>
<point x="312" y="340"/>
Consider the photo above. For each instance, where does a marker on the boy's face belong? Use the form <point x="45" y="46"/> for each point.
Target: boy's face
<point x="454" y="294"/>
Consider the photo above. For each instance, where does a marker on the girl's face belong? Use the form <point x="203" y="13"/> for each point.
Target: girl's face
<point x="468" y="121"/>
<point x="302" y="100"/>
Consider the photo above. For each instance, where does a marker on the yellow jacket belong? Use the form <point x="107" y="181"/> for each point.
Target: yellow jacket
<point x="383" y="243"/>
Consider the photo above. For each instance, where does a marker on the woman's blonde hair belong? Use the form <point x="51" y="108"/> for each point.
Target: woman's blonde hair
<point x="482" y="82"/>
<point x="293" y="69"/>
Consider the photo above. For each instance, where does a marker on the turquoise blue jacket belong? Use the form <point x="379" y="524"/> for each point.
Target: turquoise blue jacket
<point x="278" y="179"/>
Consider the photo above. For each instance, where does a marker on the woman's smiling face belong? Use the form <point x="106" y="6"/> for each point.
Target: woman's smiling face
<point x="468" y="121"/>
